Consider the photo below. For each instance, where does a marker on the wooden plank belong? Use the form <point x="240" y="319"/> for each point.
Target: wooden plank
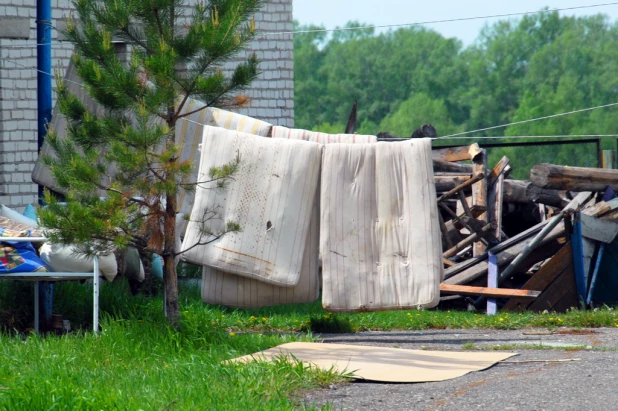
<point x="500" y="247"/>
<point x="495" y="197"/>
<point x="555" y="292"/>
<point x="461" y="153"/>
<point x="478" y="267"/>
<point x="479" y="196"/>
<point x="568" y="301"/>
<point x="477" y="177"/>
<point x="497" y="171"/>
<point x="487" y="292"/>
<point x="467" y="241"/>
<point x="544" y="277"/>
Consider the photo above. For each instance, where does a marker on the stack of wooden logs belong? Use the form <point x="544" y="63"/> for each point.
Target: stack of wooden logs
<point x="515" y="244"/>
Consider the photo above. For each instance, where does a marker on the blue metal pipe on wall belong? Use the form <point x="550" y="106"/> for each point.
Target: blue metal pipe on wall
<point x="44" y="111"/>
<point x="44" y="60"/>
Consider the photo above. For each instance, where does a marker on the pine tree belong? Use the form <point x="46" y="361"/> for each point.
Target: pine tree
<point x="174" y="55"/>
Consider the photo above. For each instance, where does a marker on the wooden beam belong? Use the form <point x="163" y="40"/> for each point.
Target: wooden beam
<point x="479" y="196"/>
<point x="446" y="183"/>
<point x="468" y="240"/>
<point x="573" y="178"/>
<point x="487" y="292"/>
<point x="508" y="250"/>
<point x="456" y="153"/>
<point x="517" y="191"/>
<point x="477" y="177"/>
<point x="497" y="171"/>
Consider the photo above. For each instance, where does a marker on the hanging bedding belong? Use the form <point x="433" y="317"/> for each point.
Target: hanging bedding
<point x="380" y="236"/>
<point x="270" y="196"/>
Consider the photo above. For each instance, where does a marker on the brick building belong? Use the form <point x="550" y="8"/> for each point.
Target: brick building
<point x="272" y="95"/>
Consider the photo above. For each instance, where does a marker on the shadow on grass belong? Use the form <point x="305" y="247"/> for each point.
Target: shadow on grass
<point x="328" y="323"/>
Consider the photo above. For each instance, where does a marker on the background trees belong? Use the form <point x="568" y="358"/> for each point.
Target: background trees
<point x="517" y="69"/>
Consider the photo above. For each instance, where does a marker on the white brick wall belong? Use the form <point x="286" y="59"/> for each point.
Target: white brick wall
<point x="272" y="95"/>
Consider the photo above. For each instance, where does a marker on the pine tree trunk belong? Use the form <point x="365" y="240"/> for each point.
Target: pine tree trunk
<point x="170" y="276"/>
<point x="170" y="281"/>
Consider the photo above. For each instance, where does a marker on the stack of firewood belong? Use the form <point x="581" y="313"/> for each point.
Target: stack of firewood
<point x="537" y="244"/>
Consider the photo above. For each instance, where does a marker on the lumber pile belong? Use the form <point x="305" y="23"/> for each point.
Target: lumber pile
<point x="513" y="245"/>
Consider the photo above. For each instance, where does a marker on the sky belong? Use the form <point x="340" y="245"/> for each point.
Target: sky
<point x="333" y="13"/>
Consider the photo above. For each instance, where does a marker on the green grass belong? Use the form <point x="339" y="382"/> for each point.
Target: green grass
<point x="137" y="362"/>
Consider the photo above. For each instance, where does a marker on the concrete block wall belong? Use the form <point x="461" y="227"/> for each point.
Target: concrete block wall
<point x="271" y="96"/>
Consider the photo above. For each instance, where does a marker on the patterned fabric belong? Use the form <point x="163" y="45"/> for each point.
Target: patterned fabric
<point x="322" y="138"/>
<point x="15" y="227"/>
<point x="18" y="257"/>
<point x="270" y="196"/>
<point x="379" y="233"/>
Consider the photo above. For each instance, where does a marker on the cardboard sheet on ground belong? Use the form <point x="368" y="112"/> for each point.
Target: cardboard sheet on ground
<point x="383" y="363"/>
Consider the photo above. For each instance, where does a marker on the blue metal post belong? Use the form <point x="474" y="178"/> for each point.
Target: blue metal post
<point x="578" y="259"/>
<point x="44" y="109"/>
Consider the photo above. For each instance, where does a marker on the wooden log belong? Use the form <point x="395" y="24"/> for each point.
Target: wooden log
<point x="487" y="292"/>
<point x="456" y="153"/>
<point x="524" y="192"/>
<point x="573" y="178"/>
<point x="479" y="196"/>
<point x="446" y="183"/>
<point x="448" y="167"/>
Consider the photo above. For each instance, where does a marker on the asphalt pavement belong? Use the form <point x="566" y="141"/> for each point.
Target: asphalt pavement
<point x="588" y="380"/>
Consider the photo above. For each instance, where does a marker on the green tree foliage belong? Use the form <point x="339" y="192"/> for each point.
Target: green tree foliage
<point x="535" y="66"/>
<point x="173" y="58"/>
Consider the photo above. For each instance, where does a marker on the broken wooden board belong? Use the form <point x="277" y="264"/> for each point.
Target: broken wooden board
<point x="487" y="292"/>
<point x="560" y="295"/>
<point x="544" y="277"/>
<point x="381" y="363"/>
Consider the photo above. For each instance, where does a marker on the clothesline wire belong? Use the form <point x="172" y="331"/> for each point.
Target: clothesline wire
<point x="419" y="23"/>
<point x="531" y="120"/>
<point x="451" y="136"/>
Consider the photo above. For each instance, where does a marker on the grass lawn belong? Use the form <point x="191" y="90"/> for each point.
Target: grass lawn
<point x="137" y="362"/>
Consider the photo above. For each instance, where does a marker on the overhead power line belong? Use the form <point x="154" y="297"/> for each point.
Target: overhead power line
<point x="419" y="23"/>
<point x="456" y="135"/>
